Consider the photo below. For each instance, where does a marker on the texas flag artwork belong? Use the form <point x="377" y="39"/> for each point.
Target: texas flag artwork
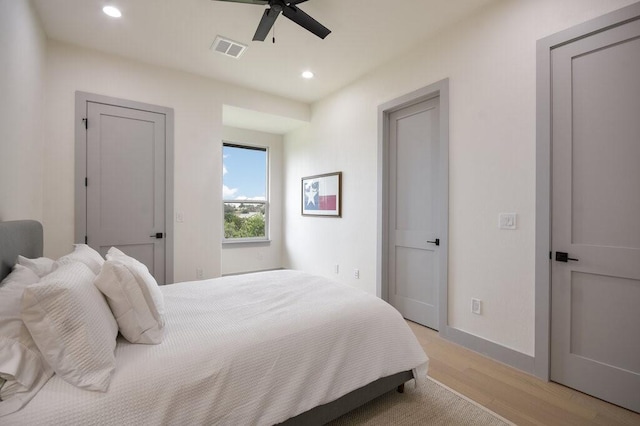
<point x="321" y="195"/>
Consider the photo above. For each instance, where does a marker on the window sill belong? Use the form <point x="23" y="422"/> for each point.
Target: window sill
<point x="247" y="242"/>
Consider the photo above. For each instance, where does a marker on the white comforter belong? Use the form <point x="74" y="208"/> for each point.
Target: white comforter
<point x="243" y="350"/>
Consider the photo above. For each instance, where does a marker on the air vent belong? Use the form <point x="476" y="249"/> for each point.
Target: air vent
<point x="228" y="47"/>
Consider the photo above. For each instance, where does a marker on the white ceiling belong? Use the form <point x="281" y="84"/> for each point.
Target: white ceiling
<point x="178" y="34"/>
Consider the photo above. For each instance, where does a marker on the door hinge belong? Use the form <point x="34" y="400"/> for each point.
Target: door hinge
<point x="86" y="123"/>
<point x="86" y="181"/>
<point x="86" y="239"/>
<point x="550" y="256"/>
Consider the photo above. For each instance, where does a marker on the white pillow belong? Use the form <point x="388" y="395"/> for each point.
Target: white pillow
<point x="134" y="297"/>
<point x="21" y="363"/>
<point x="72" y="326"/>
<point x="85" y="254"/>
<point x="115" y="253"/>
<point x="41" y="265"/>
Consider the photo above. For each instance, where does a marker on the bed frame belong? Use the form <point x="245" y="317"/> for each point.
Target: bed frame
<point x="18" y="237"/>
<point x="323" y="414"/>
<point x="24" y="237"/>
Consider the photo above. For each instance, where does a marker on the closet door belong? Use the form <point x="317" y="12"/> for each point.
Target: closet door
<point x="414" y="222"/>
<point x="595" y="282"/>
<point x="125" y="189"/>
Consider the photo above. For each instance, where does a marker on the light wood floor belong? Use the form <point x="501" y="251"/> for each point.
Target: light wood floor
<point x="515" y="395"/>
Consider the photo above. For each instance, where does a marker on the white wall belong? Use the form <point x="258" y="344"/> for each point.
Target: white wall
<point x="22" y="53"/>
<point x="490" y="60"/>
<point x="249" y="257"/>
<point x="197" y="104"/>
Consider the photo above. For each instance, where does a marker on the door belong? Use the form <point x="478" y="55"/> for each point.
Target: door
<point x="595" y="286"/>
<point x="414" y="242"/>
<point x="125" y="189"/>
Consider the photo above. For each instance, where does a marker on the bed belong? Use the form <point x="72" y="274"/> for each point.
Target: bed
<point x="265" y="348"/>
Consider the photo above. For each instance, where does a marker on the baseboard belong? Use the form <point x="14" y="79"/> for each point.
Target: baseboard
<point x="490" y="349"/>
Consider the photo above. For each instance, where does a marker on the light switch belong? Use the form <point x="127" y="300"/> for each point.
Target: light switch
<point x="507" y="221"/>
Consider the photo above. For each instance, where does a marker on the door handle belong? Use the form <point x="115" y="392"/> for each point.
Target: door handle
<point x="563" y="257"/>
<point x="158" y="235"/>
<point x="436" y="242"/>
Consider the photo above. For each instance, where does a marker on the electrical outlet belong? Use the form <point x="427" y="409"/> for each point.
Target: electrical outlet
<point x="179" y="217"/>
<point x="336" y="268"/>
<point x="199" y="273"/>
<point x="476" y="306"/>
<point x="356" y="274"/>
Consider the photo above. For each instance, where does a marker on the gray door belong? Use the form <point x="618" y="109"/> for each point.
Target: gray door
<point x="413" y="212"/>
<point x="595" y="308"/>
<point x="126" y="183"/>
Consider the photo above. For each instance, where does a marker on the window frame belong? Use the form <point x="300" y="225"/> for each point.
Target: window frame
<point x="265" y="202"/>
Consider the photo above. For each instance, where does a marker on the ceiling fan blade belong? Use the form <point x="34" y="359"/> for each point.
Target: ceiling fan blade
<point x="260" y="2"/>
<point x="268" y="18"/>
<point x="305" y="21"/>
<point x="295" y="2"/>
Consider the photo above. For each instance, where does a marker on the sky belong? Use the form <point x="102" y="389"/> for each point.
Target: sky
<point x="244" y="173"/>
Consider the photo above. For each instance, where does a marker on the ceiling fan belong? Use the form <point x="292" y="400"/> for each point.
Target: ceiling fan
<point x="288" y="9"/>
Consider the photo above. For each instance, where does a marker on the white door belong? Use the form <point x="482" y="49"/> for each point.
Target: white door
<point x="414" y="243"/>
<point x="595" y="282"/>
<point x="125" y="189"/>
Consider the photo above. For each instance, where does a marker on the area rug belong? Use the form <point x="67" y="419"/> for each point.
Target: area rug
<point x="428" y="403"/>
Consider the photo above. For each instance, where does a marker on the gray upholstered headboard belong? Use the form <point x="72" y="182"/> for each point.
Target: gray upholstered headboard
<point x="18" y="237"/>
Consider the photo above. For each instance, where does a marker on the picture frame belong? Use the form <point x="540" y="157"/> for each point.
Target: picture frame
<point x="322" y="195"/>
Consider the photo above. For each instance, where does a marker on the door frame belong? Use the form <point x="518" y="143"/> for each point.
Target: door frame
<point x="439" y="89"/>
<point x="542" y="360"/>
<point x="81" y="100"/>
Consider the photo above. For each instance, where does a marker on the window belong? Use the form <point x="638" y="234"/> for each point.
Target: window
<point x="244" y="193"/>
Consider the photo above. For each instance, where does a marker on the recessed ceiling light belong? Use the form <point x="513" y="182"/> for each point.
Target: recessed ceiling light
<point x="112" y="11"/>
<point x="307" y="74"/>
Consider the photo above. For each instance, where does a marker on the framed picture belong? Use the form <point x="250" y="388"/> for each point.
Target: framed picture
<point x="322" y="195"/>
